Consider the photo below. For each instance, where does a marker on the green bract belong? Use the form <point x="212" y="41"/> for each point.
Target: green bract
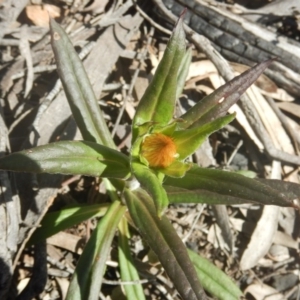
<point x="157" y="104"/>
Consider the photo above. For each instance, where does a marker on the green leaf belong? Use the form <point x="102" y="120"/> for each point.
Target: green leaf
<point x="211" y="186"/>
<point x="164" y="241"/>
<point x="217" y="104"/>
<point x="176" y="169"/>
<point x="78" y="89"/>
<point x="157" y="104"/>
<point x="178" y="195"/>
<point x="290" y="190"/>
<point x="214" y="280"/>
<point x="87" y="279"/>
<point x="151" y="183"/>
<point x="69" y="157"/>
<point x="183" y="72"/>
<point x="189" y="140"/>
<point x="57" y="221"/>
<point x="128" y="270"/>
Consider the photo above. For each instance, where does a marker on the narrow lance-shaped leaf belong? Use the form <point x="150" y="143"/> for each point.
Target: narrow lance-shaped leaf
<point x="164" y="241"/>
<point x="78" y="89"/>
<point x="214" y="280"/>
<point x="87" y="279"/>
<point x="151" y="183"/>
<point x="217" y="104"/>
<point x="189" y="140"/>
<point x="157" y="104"/>
<point x="290" y="190"/>
<point x="183" y="71"/>
<point x="128" y="271"/>
<point x="69" y="157"/>
<point x="220" y="187"/>
<point x="178" y="195"/>
<point x="57" y="221"/>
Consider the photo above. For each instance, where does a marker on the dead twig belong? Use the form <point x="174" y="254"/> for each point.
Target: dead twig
<point x="283" y="119"/>
<point x="26" y="53"/>
<point x="150" y="20"/>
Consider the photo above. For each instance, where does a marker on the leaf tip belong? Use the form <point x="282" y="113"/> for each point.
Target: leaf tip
<point x="161" y="212"/>
<point x="180" y="19"/>
<point x="53" y="28"/>
<point x="182" y="14"/>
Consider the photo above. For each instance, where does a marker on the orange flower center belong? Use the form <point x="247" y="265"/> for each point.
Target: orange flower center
<point x="159" y="150"/>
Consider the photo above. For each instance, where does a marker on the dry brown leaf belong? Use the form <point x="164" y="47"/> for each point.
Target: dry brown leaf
<point x="140" y="86"/>
<point x="237" y="223"/>
<point x="191" y="84"/>
<point x="286" y="240"/>
<point x="288" y="220"/>
<point x="280" y="94"/>
<point x="39" y="14"/>
<point x="130" y="109"/>
<point x="54" y="252"/>
<point x="216" y="80"/>
<point x="63" y="284"/>
<point x="263" y="234"/>
<point x="241" y="118"/>
<point x="295" y="127"/>
<point x="261" y="238"/>
<point x="262" y="291"/>
<point x="270" y="120"/>
<point x="154" y="61"/>
<point x="204" y="88"/>
<point x="279" y="253"/>
<point x="202" y="68"/>
<point x="274" y="127"/>
<point x="66" y="241"/>
<point x="291" y="108"/>
<point x="216" y="238"/>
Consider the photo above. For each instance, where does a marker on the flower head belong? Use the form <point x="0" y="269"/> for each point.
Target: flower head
<point x="159" y="150"/>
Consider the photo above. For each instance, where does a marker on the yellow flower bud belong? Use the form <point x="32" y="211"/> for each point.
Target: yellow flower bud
<point x="159" y="150"/>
